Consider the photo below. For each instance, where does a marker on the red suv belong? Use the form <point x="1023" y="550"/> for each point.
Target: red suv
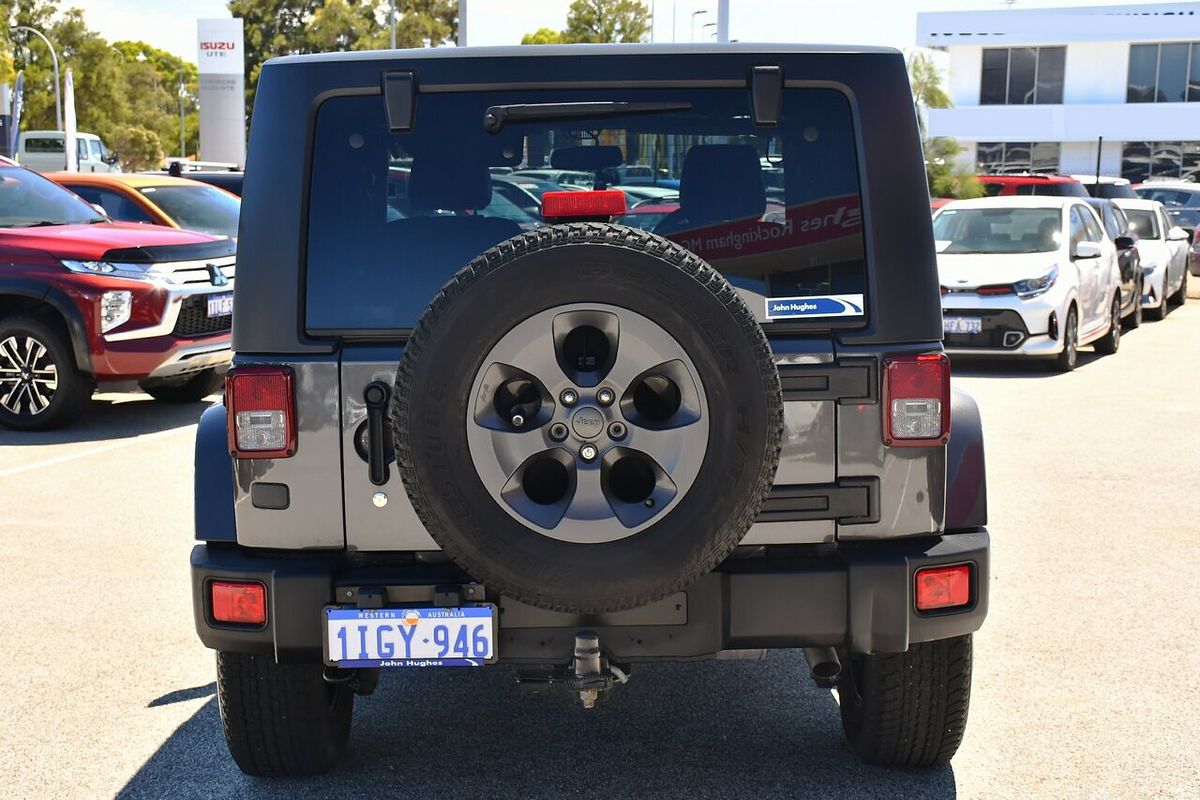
<point x="86" y="302"/>
<point x="1030" y="183"/>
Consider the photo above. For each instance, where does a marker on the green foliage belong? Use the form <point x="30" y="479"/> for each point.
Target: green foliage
<point x="288" y="27"/>
<point x="139" y="148"/>
<point x="542" y="36"/>
<point x="598" y="21"/>
<point x="947" y="177"/>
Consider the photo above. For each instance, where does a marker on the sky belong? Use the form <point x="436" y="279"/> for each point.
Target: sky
<point x="170" y="24"/>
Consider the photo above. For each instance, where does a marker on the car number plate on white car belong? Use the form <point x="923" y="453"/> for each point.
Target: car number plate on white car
<point x="962" y="324"/>
<point x="410" y="637"/>
<point x="220" y="305"/>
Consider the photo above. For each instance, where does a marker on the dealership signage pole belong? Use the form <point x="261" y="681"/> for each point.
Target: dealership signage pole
<point x="222" y="62"/>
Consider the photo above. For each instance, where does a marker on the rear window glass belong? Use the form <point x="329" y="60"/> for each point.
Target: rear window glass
<point x="37" y="144"/>
<point x="393" y="216"/>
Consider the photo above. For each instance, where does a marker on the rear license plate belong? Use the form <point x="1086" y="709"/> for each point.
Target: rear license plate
<point x="220" y="305"/>
<point x="962" y="325"/>
<point x="410" y="637"/>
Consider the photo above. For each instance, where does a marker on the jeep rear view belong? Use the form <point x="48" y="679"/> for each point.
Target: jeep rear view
<point x="471" y="425"/>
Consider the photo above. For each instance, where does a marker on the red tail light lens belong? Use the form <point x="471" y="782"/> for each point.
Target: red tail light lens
<point x="262" y="412"/>
<point x="239" y="603"/>
<point x="916" y="400"/>
<point x="943" y="587"/>
<point x="607" y="203"/>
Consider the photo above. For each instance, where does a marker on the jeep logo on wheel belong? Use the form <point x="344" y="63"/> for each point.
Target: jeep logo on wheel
<point x="587" y="422"/>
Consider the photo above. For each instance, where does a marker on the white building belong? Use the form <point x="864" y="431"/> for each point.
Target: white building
<point x="1034" y="89"/>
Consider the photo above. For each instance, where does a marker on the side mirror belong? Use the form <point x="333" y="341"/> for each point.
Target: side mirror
<point x="1191" y="234"/>
<point x="1176" y="234"/>
<point x="112" y="158"/>
<point x="1086" y="250"/>
<point x="1124" y="242"/>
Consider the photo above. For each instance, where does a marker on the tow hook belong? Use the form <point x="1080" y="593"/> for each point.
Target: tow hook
<point x="589" y="675"/>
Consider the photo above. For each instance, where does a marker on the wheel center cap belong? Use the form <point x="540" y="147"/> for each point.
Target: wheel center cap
<point x="587" y="422"/>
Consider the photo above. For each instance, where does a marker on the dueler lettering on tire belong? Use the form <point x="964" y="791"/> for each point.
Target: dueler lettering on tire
<point x="587" y="418"/>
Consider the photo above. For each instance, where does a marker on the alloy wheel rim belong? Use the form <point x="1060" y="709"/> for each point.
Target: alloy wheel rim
<point x="588" y="423"/>
<point x="28" y="376"/>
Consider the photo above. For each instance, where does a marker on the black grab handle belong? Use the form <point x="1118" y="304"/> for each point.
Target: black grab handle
<point x="376" y="397"/>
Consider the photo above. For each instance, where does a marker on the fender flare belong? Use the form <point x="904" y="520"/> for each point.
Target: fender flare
<point x="214" y="482"/>
<point x="58" y="300"/>
<point x="966" y="476"/>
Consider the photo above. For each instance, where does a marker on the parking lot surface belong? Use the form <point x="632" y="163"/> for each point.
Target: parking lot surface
<point x="1085" y="671"/>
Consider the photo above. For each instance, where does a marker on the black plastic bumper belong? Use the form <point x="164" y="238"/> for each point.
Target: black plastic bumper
<point x="859" y="597"/>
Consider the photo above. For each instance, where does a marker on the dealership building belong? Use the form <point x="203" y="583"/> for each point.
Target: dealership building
<point x="1035" y="89"/>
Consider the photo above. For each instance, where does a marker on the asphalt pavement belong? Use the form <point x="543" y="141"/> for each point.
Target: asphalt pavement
<point x="1085" y="681"/>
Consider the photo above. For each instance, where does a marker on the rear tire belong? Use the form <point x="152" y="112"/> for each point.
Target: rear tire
<point x="907" y="709"/>
<point x="281" y="720"/>
<point x="52" y="376"/>
<point x="1110" y="342"/>
<point x="1180" y="297"/>
<point x="192" y="389"/>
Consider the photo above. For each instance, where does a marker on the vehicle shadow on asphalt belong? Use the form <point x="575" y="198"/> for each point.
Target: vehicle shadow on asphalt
<point x="1013" y="367"/>
<point x="712" y="729"/>
<point x="106" y="419"/>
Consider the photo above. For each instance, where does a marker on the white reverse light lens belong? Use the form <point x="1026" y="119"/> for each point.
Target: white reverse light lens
<point x="917" y="418"/>
<point x="261" y="430"/>
<point x="115" y="308"/>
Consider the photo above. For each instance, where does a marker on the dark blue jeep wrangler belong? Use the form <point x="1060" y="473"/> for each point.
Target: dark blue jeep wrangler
<point x="472" y="424"/>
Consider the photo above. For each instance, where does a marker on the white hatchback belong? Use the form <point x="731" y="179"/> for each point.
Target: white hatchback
<point x="1027" y="276"/>
<point x="1164" y="250"/>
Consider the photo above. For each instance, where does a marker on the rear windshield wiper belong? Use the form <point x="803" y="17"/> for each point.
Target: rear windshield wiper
<point x="495" y="117"/>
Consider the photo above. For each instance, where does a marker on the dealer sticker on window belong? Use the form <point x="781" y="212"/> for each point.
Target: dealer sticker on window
<point x="830" y="305"/>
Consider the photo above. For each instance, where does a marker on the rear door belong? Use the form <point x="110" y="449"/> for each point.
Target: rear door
<point x="776" y="208"/>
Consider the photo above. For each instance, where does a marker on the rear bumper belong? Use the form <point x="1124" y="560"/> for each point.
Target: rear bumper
<point x="857" y="596"/>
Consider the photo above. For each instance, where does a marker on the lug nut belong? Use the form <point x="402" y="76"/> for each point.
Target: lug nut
<point x="616" y="430"/>
<point x="649" y="502"/>
<point x="558" y="431"/>
<point x="588" y="452"/>
<point x="569" y="397"/>
<point x="605" y="397"/>
<point x="517" y="420"/>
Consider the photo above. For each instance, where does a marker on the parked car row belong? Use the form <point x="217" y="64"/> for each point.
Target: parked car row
<point x="118" y="281"/>
<point x="1041" y="276"/>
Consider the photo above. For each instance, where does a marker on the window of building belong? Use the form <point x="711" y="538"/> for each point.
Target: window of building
<point x="1143" y="160"/>
<point x="1022" y="75"/>
<point x="1008" y="157"/>
<point x="1164" y="73"/>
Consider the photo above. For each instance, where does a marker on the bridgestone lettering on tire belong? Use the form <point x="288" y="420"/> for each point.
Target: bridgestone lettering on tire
<point x="587" y="418"/>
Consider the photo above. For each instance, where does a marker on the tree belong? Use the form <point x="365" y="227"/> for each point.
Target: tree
<point x="542" y="36"/>
<point x="139" y="148"/>
<point x="288" y="27"/>
<point x="599" y="21"/>
<point x="947" y="177"/>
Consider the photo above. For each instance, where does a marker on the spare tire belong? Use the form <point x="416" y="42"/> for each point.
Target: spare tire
<point x="587" y="418"/>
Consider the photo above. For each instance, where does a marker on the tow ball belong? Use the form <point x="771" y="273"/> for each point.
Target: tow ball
<point x="589" y="675"/>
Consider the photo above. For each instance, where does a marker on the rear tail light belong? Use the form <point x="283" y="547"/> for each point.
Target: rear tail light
<point x="942" y="587"/>
<point x="916" y="400"/>
<point x="262" y="412"/>
<point x="239" y="603"/>
<point x="608" y="203"/>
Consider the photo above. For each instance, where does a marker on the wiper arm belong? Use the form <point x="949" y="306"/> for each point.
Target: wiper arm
<point x="495" y="117"/>
<point x="39" y="224"/>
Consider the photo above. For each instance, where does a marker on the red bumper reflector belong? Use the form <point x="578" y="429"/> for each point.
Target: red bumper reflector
<point x="607" y="203"/>
<point x="242" y="603"/>
<point x="943" y="587"/>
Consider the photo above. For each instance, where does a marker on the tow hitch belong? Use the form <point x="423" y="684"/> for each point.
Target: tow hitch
<point x="590" y="673"/>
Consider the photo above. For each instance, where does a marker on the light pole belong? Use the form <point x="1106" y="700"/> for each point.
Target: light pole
<point x="182" y="144"/>
<point x="54" y="57"/>
<point x="705" y="27"/>
<point x="392" y="19"/>
<point x="694" y="15"/>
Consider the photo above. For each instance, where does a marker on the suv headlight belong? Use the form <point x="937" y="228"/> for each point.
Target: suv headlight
<point x="1035" y="286"/>
<point x="115" y="269"/>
